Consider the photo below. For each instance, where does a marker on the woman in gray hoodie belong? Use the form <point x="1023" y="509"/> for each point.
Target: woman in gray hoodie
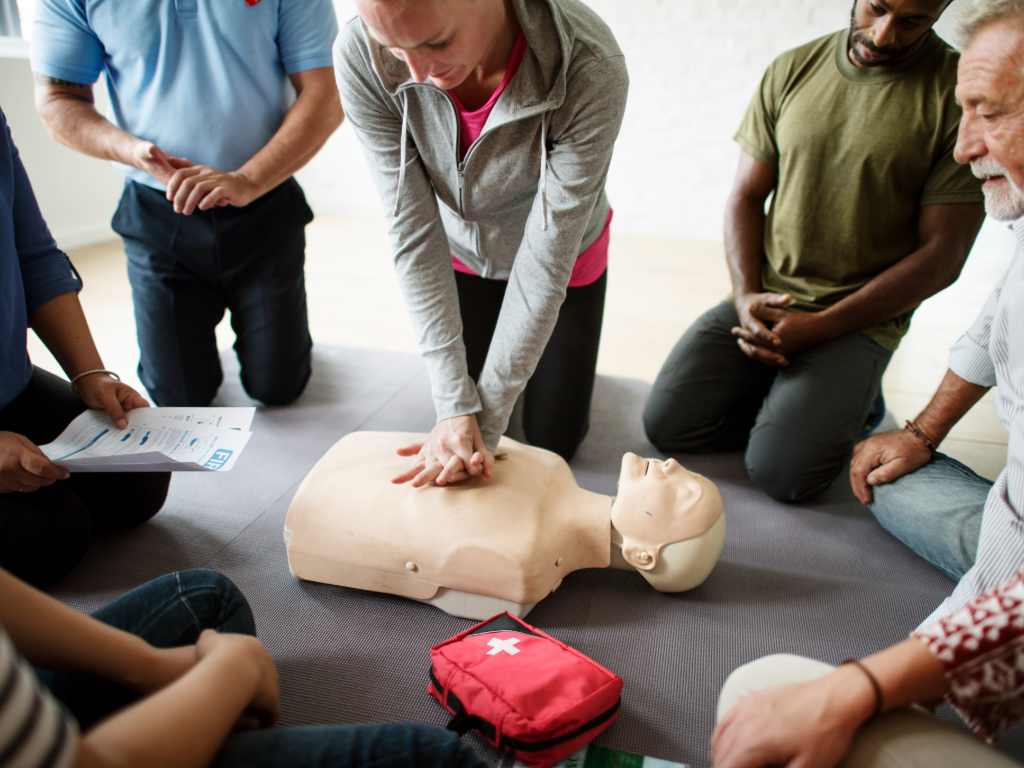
<point x="488" y="126"/>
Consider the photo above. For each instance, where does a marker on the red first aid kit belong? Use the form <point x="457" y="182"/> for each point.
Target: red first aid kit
<point x="529" y="695"/>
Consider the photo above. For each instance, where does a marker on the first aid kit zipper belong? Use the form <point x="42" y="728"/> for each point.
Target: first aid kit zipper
<point x="462" y="722"/>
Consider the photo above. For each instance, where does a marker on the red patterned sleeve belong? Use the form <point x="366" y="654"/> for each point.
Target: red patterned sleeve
<point x="981" y="649"/>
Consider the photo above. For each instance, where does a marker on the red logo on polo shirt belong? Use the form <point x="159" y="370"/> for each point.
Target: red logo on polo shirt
<point x="251" y="3"/>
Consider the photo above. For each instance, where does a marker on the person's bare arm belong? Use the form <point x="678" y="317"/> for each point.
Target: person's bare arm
<point x="945" y="236"/>
<point x="310" y="121"/>
<point x="814" y="723"/>
<point x="53" y="636"/>
<point x="196" y="693"/>
<point x="891" y="455"/>
<point x="61" y="325"/>
<point x="744" y="249"/>
<point x="68" y="111"/>
<point x="184" y="724"/>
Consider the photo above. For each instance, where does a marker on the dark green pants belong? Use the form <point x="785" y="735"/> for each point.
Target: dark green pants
<point x="798" y="424"/>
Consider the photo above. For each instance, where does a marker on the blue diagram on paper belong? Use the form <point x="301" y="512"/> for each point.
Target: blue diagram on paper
<point x="218" y="459"/>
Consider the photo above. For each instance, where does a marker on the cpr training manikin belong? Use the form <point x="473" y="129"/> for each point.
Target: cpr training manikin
<point x="482" y="546"/>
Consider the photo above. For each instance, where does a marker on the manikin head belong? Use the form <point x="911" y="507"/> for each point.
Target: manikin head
<point x="439" y="40"/>
<point x="884" y="32"/>
<point x="990" y="88"/>
<point x="668" y="521"/>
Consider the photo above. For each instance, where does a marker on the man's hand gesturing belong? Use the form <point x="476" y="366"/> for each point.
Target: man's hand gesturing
<point x="203" y="187"/>
<point x="757" y="340"/>
<point x="769" y="334"/>
<point x="148" y="157"/>
<point x="883" y="459"/>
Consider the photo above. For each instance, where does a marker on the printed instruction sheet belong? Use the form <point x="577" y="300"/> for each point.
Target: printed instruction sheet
<point x="155" y="440"/>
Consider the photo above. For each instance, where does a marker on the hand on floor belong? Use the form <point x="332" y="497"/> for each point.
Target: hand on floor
<point x="454" y="451"/>
<point x="23" y="467"/>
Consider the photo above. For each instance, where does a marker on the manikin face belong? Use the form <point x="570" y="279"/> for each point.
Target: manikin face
<point x="439" y="40"/>
<point x="888" y="31"/>
<point x="990" y="88"/>
<point x="660" y="503"/>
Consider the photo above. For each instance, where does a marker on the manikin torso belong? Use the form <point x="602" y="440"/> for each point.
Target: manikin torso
<point x="481" y="546"/>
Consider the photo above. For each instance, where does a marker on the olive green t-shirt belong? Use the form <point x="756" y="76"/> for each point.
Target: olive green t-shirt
<point x="858" y="151"/>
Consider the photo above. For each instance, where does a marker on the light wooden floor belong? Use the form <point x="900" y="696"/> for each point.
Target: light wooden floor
<point x="656" y="288"/>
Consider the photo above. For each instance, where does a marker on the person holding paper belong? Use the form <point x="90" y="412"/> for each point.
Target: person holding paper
<point x="47" y="516"/>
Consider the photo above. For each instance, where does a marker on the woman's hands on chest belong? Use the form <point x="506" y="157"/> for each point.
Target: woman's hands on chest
<point x="454" y="451"/>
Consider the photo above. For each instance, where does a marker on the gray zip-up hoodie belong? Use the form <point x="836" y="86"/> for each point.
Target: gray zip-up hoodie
<point x="526" y="200"/>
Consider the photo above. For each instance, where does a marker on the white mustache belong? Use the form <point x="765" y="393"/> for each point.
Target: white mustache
<point x="987" y="167"/>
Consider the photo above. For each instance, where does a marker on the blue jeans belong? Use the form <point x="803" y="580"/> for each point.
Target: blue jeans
<point x="173" y="610"/>
<point x="936" y="511"/>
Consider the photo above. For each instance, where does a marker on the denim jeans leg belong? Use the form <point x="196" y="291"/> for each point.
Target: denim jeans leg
<point x="936" y="511"/>
<point x="167" y="612"/>
<point x="384" y="745"/>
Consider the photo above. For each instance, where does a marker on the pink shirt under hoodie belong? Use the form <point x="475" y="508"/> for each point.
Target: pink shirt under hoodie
<point x="590" y="264"/>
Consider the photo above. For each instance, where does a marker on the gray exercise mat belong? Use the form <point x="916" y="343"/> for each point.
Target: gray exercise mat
<point x="820" y="579"/>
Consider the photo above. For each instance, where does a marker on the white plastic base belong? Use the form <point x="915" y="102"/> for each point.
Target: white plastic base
<point x="467" y="605"/>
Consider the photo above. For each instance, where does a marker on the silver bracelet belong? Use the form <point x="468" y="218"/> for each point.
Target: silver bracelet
<point x="74" y="381"/>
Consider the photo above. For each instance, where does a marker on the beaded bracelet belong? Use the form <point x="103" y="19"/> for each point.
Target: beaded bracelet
<point x="918" y="433"/>
<point x="74" y="381"/>
<point x="879" y="701"/>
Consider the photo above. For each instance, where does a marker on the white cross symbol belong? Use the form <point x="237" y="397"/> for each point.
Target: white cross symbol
<point x="508" y="646"/>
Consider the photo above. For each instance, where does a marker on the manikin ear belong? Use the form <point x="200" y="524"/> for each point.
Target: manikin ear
<point x="685" y="564"/>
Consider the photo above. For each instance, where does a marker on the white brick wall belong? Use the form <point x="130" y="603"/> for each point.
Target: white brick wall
<point x="694" y="65"/>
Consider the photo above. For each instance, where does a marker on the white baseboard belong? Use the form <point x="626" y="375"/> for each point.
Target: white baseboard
<point x="79" y="237"/>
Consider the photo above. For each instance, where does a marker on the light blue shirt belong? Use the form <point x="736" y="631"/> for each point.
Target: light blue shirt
<point x="991" y="353"/>
<point x="202" y="79"/>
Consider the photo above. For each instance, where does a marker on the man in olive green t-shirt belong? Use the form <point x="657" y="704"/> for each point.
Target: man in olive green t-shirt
<point x="854" y="135"/>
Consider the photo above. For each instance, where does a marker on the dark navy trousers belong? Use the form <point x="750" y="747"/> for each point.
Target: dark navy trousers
<point x="186" y="270"/>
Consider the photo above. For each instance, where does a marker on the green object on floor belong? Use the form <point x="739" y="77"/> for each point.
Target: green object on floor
<point x="600" y="757"/>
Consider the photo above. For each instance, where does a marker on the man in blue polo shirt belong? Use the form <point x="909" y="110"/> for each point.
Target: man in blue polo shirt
<point x="204" y="126"/>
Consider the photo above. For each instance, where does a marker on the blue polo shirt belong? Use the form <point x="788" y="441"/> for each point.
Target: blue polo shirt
<point x="33" y="269"/>
<point x="202" y="79"/>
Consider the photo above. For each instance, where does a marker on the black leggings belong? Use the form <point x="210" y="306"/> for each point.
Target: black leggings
<point x="45" y="533"/>
<point x="556" y="403"/>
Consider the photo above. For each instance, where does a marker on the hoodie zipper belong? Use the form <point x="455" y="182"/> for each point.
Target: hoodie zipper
<point x="462" y="184"/>
<point x="461" y="166"/>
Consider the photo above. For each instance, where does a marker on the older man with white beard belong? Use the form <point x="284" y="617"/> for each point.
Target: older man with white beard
<point x="789" y="710"/>
<point x="963" y="524"/>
